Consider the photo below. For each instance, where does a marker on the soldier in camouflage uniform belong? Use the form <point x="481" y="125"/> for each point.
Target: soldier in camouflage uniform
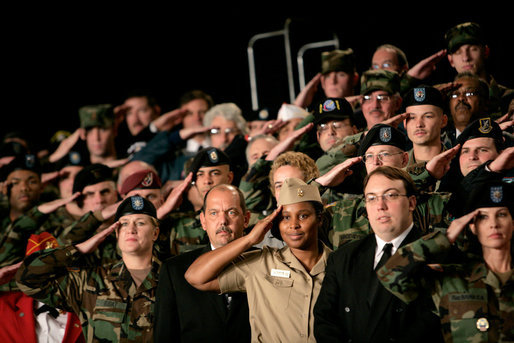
<point x="114" y="302"/>
<point x="424" y="107"/>
<point x="468" y="51"/>
<point x="474" y="298"/>
<point x="383" y="146"/>
<point x="380" y="102"/>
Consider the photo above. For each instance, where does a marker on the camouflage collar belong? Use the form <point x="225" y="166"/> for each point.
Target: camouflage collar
<point x="478" y="272"/>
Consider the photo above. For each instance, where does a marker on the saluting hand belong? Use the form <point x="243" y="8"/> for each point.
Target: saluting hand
<point x="92" y="243"/>
<point x="458" y="225"/>
<point x="175" y="197"/>
<point x="263" y="226"/>
<point x="440" y="163"/>
<point x="339" y="173"/>
<point x="51" y="206"/>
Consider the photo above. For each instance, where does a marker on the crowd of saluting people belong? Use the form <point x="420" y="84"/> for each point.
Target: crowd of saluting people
<point x="375" y="208"/>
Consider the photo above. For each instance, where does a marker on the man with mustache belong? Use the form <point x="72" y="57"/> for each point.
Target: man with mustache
<point x="185" y="314"/>
<point x="210" y="167"/>
<point x="467" y="102"/>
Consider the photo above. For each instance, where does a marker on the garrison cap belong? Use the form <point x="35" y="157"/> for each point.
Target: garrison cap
<point x="424" y="95"/>
<point x="209" y="157"/>
<point x="135" y="205"/>
<point x="495" y="193"/>
<point x="383" y="134"/>
<point x="144" y="179"/>
<point x="91" y="175"/>
<point x="39" y="242"/>
<point x="96" y="115"/>
<point x="332" y="109"/>
<point x="465" y="33"/>
<point x="289" y="111"/>
<point x="21" y="162"/>
<point x="482" y="127"/>
<point x="380" y="79"/>
<point x="338" y="60"/>
<point x="294" y="190"/>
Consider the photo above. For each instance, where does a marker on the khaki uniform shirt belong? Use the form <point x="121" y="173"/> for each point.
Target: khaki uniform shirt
<point x="281" y="293"/>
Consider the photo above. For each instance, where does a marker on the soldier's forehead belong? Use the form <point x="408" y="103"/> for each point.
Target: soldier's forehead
<point x="134" y="216"/>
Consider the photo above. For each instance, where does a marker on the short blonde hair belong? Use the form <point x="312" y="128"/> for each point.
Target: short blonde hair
<point x="294" y="159"/>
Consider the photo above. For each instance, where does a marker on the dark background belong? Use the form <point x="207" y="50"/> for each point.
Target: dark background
<point x="58" y="59"/>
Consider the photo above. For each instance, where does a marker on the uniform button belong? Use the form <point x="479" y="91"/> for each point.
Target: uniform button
<point x="347" y="309"/>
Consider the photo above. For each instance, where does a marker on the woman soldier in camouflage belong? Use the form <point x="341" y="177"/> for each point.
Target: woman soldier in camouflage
<point x="114" y="302"/>
<point x="475" y="298"/>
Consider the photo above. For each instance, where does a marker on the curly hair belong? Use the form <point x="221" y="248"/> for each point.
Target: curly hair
<point x="295" y="159"/>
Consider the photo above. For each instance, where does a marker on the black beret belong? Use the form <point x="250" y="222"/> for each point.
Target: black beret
<point x="21" y="162"/>
<point x="91" y="175"/>
<point x="482" y="127"/>
<point x="495" y="193"/>
<point x="424" y="95"/>
<point x="382" y="134"/>
<point x="208" y="157"/>
<point x="332" y="109"/>
<point x="72" y="158"/>
<point x="135" y="205"/>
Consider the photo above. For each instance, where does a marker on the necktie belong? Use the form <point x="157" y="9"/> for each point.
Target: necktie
<point x="374" y="279"/>
<point x="45" y="308"/>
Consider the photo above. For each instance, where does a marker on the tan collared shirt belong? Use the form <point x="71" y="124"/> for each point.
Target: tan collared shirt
<point x="281" y="293"/>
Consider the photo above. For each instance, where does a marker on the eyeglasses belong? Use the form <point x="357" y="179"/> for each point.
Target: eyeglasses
<point x="456" y="95"/>
<point x="336" y="125"/>
<point x="380" y="98"/>
<point x="384" y="65"/>
<point x="217" y="131"/>
<point x="382" y="156"/>
<point x="387" y="197"/>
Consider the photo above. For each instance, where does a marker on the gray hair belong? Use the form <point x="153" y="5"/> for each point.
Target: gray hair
<point x="229" y="111"/>
<point x="270" y="138"/>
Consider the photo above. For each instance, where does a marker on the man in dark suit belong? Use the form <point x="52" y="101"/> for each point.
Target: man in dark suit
<point x="185" y="314"/>
<point x="352" y="306"/>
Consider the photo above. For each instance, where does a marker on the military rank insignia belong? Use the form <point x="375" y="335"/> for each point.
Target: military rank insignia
<point x="300" y="192"/>
<point x="30" y="161"/>
<point x="213" y="156"/>
<point x="419" y="94"/>
<point x="137" y="203"/>
<point x="485" y="125"/>
<point x="148" y="180"/>
<point x="385" y="134"/>
<point x="496" y="194"/>
<point x="74" y="157"/>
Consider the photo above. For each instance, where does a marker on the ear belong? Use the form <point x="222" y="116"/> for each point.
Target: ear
<point x="156" y="233"/>
<point x="247" y="219"/>
<point x="450" y="60"/>
<point x="487" y="51"/>
<point x="202" y="220"/>
<point x="473" y="228"/>
<point x="412" y="203"/>
<point x="444" y="120"/>
<point x="354" y="129"/>
<point x="355" y="78"/>
<point x="157" y="110"/>
<point x="405" y="159"/>
<point x="399" y="102"/>
<point x="230" y="177"/>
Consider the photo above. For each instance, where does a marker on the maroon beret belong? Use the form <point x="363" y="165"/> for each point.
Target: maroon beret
<point x="144" y="179"/>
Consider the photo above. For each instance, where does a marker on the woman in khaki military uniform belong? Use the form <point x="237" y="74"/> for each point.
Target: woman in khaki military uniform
<point x="282" y="284"/>
<point x="475" y="298"/>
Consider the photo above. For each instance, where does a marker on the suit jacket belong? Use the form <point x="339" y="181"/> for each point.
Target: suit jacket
<point x="18" y="322"/>
<point x="185" y="314"/>
<point x="342" y="314"/>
